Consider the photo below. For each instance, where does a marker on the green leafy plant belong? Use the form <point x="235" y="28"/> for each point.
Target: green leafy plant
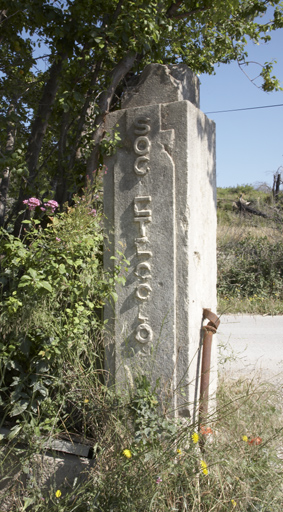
<point x="53" y="289"/>
<point x="250" y="270"/>
<point x="251" y="266"/>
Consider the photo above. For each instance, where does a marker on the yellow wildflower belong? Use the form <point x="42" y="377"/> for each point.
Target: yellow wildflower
<point x="234" y="503"/>
<point x="204" y="467"/>
<point x="127" y="454"/>
<point x="58" y="493"/>
<point x="86" y="400"/>
<point x="195" y="437"/>
<point x="245" y="438"/>
<point x="179" y="451"/>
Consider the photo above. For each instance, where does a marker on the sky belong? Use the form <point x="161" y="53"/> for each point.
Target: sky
<point x="249" y="144"/>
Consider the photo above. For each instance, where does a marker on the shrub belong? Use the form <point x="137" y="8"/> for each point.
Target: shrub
<point x="250" y="266"/>
<point x="53" y="289"/>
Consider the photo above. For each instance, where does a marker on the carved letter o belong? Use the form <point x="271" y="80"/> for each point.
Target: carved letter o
<point x="149" y="333"/>
<point x="147" y="289"/>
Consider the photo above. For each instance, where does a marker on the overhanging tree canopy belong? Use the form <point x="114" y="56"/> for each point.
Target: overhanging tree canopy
<point x="64" y="65"/>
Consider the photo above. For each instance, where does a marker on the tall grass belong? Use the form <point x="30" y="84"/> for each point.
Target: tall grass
<point x="250" y="255"/>
<point x="232" y="463"/>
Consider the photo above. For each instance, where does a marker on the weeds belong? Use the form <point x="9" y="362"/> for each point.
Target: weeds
<point x="250" y="256"/>
<point x="171" y="468"/>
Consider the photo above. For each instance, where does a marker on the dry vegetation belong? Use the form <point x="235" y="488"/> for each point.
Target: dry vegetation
<point x="250" y="252"/>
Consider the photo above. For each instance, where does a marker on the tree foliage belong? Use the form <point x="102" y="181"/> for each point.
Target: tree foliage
<point x="66" y="63"/>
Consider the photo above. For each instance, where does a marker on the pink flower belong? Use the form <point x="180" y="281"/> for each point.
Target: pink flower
<point x="58" y="239"/>
<point x="52" y="205"/>
<point x="92" y="212"/>
<point x="42" y="209"/>
<point x="158" y="480"/>
<point x="32" y="203"/>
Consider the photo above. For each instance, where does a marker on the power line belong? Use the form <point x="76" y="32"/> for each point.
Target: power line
<point x="247" y="108"/>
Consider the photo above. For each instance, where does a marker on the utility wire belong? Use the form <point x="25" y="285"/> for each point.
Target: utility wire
<point x="247" y="108"/>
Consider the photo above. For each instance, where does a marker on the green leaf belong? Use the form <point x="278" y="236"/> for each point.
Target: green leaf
<point x="33" y="273"/>
<point x="19" y="408"/>
<point x="46" y="286"/>
<point x="14" y="431"/>
<point x="28" y="502"/>
<point x="114" y="296"/>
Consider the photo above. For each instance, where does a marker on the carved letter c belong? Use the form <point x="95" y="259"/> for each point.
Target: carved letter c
<point x="143" y="170"/>
<point x="139" y="267"/>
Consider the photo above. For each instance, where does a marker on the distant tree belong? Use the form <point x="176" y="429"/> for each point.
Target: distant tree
<point x="63" y="62"/>
<point x="277" y="181"/>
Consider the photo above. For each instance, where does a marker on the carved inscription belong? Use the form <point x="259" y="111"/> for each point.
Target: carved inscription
<point x="143" y="218"/>
<point x="142" y="146"/>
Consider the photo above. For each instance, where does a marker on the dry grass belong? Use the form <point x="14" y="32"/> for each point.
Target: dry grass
<point x="238" y="468"/>
<point x="237" y="231"/>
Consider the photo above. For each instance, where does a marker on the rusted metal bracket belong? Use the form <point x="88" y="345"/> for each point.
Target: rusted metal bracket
<point x="209" y="330"/>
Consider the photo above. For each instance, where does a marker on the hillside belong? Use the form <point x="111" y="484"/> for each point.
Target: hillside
<point x="250" y="251"/>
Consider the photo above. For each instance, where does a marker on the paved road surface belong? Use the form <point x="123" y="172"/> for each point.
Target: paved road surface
<point x="252" y="343"/>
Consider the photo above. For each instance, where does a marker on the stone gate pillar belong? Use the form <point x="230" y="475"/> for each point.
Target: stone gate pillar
<point x="160" y="204"/>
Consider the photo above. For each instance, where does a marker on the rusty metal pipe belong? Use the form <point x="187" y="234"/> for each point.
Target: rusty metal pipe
<point x="209" y="330"/>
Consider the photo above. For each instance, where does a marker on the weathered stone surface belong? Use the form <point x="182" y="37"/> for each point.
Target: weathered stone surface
<point x="47" y="472"/>
<point x="163" y="84"/>
<point x="160" y="202"/>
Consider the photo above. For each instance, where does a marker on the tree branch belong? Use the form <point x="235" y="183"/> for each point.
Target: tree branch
<point x="86" y="108"/>
<point x="61" y="178"/>
<point x="187" y="14"/>
<point x="252" y="80"/>
<point x="118" y="73"/>
<point x="38" y="130"/>
<point x="40" y="123"/>
<point x="172" y="11"/>
<point x="82" y="118"/>
<point x="4" y="185"/>
<point x="117" y="11"/>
